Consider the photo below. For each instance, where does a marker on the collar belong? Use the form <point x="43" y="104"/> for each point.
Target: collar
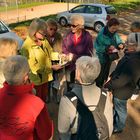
<point x="18" y="89"/>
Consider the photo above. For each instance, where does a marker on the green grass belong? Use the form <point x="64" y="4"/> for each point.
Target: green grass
<point x="27" y="23"/>
<point x="120" y="5"/>
<point x="29" y="5"/>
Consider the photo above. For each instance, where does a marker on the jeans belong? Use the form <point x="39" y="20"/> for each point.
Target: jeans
<point x="120" y="114"/>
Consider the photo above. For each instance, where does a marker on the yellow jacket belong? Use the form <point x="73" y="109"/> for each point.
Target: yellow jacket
<point x="39" y="59"/>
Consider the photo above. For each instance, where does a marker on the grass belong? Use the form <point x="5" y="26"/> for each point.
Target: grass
<point x="3" y="8"/>
<point x="27" y="23"/>
<point x="120" y="5"/>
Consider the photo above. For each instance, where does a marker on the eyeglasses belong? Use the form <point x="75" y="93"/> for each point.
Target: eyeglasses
<point x="74" y="26"/>
<point x="43" y="34"/>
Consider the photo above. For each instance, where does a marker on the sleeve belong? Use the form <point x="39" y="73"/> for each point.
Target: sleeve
<point x="117" y="81"/>
<point x="64" y="119"/>
<point x="118" y="39"/>
<point x="43" y="126"/>
<point x="64" y="45"/>
<point x="90" y="45"/>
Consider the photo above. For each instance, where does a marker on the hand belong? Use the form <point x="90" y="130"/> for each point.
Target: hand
<point x="70" y="56"/>
<point x="56" y="67"/>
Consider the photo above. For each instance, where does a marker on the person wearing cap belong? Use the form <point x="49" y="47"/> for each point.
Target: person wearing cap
<point x="39" y="54"/>
<point x="124" y="81"/>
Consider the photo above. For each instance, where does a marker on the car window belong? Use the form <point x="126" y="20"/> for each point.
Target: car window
<point x="93" y="10"/>
<point x="78" y="9"/>
<point x="3" y="28"/>
<point x="111" y="10"/>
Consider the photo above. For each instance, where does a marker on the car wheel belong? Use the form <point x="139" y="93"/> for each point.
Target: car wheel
<point x="63" y="21"/>
<point x="98" y="26"/>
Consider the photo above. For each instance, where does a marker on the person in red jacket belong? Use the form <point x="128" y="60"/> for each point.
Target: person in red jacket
<point x="23" y="116"/>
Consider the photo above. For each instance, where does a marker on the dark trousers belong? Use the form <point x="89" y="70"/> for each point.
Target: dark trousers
<point x="105" y="68"/>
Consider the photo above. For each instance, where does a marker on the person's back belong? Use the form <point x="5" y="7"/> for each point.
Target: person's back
<point x="87" y="93"/>
<point x="21" y="112"/>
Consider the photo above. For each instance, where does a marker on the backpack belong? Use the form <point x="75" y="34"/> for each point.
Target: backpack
<point x="92" y="125"/>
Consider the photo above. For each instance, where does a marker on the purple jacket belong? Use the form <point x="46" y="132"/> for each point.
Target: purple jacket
<point x="83" y="48"/>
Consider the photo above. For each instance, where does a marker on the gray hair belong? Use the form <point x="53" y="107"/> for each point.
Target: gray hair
<point x="15" y="68"/>
<point x="78" y="19"/>
<point x="135" y="26"/>
<point x="89" y="68"/>
<point x="37" y="25"/>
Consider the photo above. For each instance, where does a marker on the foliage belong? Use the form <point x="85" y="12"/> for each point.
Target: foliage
<point x="27" y="23"/>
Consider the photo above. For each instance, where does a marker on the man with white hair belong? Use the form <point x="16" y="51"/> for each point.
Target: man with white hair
<point x="124" y="81"/>
<point x="23" y="116"/>
<point x="87" y="70"/>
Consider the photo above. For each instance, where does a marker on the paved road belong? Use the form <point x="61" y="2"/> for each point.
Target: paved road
<point x="37" y="11"/>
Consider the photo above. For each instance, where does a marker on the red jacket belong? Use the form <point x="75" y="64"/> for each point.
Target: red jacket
<point x="23" y="116"/>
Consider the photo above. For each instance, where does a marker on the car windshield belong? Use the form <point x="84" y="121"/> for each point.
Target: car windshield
<point x="111" y="10"/>
<point x="3" y="28"/>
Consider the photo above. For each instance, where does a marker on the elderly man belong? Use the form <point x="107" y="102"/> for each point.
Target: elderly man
<point x="23" y="116"/>
<point x="124" y="81"/>
<point x="87" y="70"/>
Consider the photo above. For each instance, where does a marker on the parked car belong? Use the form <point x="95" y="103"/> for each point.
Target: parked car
<point x="95" y="15"/>
<point x="5" y="32"/>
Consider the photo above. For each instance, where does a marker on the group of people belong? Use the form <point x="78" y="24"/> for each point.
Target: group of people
<point x="66" y="66"/>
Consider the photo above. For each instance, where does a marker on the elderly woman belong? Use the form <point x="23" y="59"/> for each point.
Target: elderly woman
<point x="55" y="40"/>
<point x="8" y="47"/>
<point x="124" y="81"/>
<point x="38" y="52"/>
<point x="77" y="43"/>
<point x="87" y="70"/>
<point x="107" y="38"/>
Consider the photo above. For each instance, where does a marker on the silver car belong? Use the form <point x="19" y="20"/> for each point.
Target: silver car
<point x="5" y="32"/>
<point x="95" y="15"/>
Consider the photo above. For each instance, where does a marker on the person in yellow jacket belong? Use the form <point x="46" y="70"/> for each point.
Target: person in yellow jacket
<point x="39" y="54"/>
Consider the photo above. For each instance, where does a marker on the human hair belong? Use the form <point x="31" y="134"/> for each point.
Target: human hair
<point x="135" y="26"/>
<point x="35" y="26"/>
<point x="89" y="68"/>
<point x="8" y="47"/>
<point x="78" y="19"/>
<point x="113" y="22"/>
<point x="51" y="22"/>
<point x="14" y="69"/>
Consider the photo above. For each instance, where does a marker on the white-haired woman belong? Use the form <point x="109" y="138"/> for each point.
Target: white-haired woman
<point x="38" y="52"/>
<point x="77" y="43"/>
